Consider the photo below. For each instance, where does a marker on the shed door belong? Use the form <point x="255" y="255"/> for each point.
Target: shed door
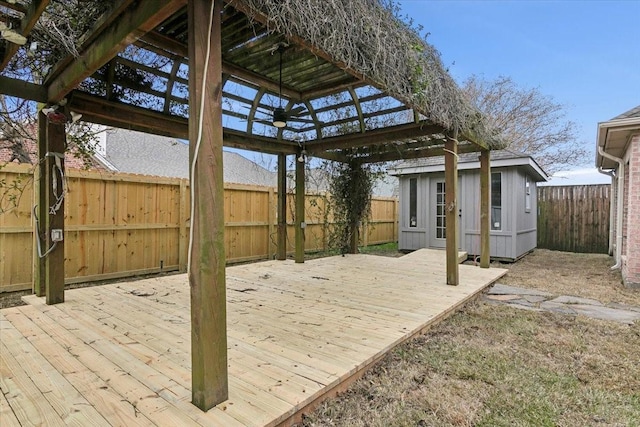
<point x="438" y="226"/>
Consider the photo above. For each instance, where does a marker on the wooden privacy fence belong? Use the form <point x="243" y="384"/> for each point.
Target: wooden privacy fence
<point x="574" y="218"/>
<point x="119" y="225"/>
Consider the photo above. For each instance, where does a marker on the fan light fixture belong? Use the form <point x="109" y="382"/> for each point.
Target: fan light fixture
<point x="279" y="115"/>
<point x="279" y="118"/>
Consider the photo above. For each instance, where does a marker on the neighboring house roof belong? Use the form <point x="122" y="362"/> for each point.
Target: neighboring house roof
<point x="146" y="154"/>
<point x="614" y="136"/>
<point x="317" y="180"/>
<point x="466" y="161"/>
<point x="28" y="149"/>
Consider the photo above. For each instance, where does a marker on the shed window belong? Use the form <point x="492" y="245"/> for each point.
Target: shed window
<point x="527" y="194"/>
<point x="496" y="201"/>
<point x="413" y="202"/>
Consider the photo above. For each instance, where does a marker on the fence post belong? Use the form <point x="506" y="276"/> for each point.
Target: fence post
<point x="271" y="206"/>
<point x="183" y="236"/>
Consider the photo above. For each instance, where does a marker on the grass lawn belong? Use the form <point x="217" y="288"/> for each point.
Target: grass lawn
<point x="494" y="365"/>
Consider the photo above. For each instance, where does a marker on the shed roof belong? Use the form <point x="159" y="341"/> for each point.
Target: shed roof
<point x="467" y="161"/>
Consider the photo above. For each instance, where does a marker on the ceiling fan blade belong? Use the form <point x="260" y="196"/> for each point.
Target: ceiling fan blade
<point x="264" y="122"/>
<point x="297" y="111"/>
<point x="259" y="109"/>
<point x="301" y="120"/>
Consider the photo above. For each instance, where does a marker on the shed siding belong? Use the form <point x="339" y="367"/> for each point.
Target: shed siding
<point x="518" y="227"/>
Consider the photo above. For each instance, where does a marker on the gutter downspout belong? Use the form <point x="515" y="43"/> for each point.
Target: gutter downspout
<point x="619" y="202"/>
<point x="611" y="173"/>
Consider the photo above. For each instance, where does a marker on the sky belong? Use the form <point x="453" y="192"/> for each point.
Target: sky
<point x="583" y="54"/>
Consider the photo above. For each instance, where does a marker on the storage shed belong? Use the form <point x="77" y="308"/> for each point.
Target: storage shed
<point x="513" y="209"/>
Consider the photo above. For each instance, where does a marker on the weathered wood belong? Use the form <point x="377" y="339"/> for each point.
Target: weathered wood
<point x="412" y="150"/>
<point x="22" y="89"/>
<point x="41" y="212"/>
<point x="282" y="207"/>
<point x="209" y="376"/>
<point x="54" y="185"/>
<point x="373" y="137"/>
<point x="451" y="200"/>
<point x="574" y="218"/>
<point x="485" y="201"/>
<point x="134" y="22"/>
<point x="300" y="224"/>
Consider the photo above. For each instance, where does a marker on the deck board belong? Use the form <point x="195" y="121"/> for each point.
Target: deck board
<point x="119" y="354"/>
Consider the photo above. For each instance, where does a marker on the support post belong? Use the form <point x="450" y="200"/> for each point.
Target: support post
<point x="451" y="200"/>
<point x="42" y="212"/>
<point x="209" y="374"/>
<point x="282" y="207"/>
<point x="300" y="224"/>
<point x="54" y="220"/>
<point x="485" y="218"/>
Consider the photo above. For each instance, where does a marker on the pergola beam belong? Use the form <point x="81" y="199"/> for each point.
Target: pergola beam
<point x="140" y="18"/>
<point x="112" y="113"/>
<point x="31" y="16"/>
<point x="417" y="153"/>
<point x="376" y="136"/>
<point x="21" y="89"/>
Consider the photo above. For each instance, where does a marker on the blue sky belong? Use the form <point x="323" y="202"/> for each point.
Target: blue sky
<point x="584" y="54"/>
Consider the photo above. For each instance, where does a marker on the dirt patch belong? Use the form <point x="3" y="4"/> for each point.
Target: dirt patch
<point x="566" y="273"/>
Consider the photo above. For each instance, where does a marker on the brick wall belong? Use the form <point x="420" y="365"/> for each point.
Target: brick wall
<point x="631" y="223"/>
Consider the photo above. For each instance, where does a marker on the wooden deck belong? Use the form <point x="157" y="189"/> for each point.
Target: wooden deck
<point x="119" y="355"/>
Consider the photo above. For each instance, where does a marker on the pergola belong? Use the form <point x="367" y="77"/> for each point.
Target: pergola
<point x="355" y="84"/>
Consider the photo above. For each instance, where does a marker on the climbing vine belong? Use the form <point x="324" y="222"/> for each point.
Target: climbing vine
<point x="350" y="186"/>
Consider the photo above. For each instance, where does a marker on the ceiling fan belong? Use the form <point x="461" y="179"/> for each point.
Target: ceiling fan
<point x="278" y="116"/>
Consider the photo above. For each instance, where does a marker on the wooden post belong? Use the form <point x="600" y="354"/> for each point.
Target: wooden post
<point x="300" y="224"/>
<point x="54" y="177"/>
<point x="42" y="212"/>
<point x="209" y="375"/>
<point x="451" y="201"/>
<point x="282" y="207"/>
<point x="485" y="218"/>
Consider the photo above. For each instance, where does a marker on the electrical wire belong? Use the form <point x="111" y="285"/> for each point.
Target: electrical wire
<point x="199" y="138"/>
<point x="38" y="243"/>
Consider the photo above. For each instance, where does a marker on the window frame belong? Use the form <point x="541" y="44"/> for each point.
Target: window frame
<point x="491" y="205"/>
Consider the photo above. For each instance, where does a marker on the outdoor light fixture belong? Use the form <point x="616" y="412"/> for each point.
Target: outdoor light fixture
<point x="279" y="118"/>
<point x="48" y="110"/>
<point x="75" y="116"/>
<point x="303" y="156"/>
<point x="11" y="35"/>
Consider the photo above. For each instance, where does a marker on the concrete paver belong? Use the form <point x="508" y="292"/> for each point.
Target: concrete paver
<point x="533" y="299"/>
